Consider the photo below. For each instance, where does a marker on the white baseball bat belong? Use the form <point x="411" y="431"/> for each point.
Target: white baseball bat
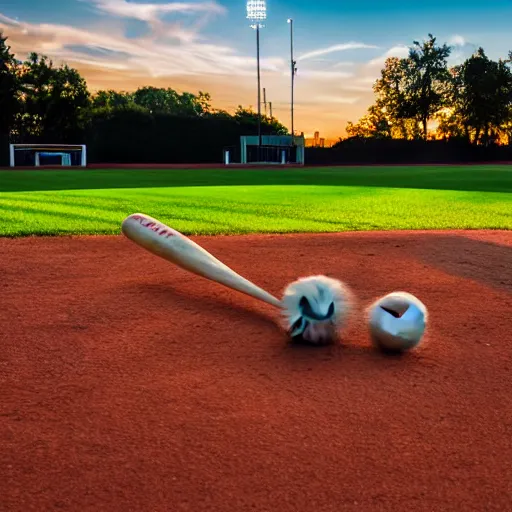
<point x="175" y="247"/>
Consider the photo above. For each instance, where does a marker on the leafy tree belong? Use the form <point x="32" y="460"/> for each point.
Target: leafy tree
<point x="9" y="97"/>
<point x="481" y="95"/>
<point x="392" y="89"/>
<point x="54" y="100"/>
<point x="412" y="90"/>
<point x="249" y="118"/>
<point x="219" y="114"/>
<point x="112" y="99"/>
<point x="70" y="100"/>
<point x="428" y="79"/>
<point x="374" y="124"/>
<point x="198" y="104"/>
<point x="505" y="130"/>
<point x="169" y="101"/>
<point x="156" y="99"/>
<point x="449" y="125"/>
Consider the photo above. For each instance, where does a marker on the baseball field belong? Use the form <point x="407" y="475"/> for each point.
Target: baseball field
<point x="241" y="201"/>
<point x="129" y="384"/>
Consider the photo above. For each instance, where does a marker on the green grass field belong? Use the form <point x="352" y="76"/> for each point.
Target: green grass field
<point x="234" y="201"/>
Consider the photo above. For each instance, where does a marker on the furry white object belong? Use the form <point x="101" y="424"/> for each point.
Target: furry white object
<point x="316" y="308"/>
<point x="397" y="321"/>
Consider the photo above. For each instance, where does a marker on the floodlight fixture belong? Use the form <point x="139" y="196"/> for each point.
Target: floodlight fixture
<point x="256" y="12"/>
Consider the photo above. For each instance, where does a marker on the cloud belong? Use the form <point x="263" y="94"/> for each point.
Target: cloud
<point x="343" y="64"/>
<point x="335" y="48"/>
<point x="144" y="56"/>
<point x="151" y="12"/>
<point x="359" y="87"/>
<point x="457" y="40"/>
<point x="310" y="73"/>
<point x="367" y="80"/>
<point x="338" y="99"/>
<point x="461" y="50"/>
<point x="9" y="21"/>
<point x="396" y="51"/>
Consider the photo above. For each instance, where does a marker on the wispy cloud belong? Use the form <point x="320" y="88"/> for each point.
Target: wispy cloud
<point x="144" y="55"/>
<point x="151" y="12"/>
<point x="10" y="22"/>
<point x="366" y="80"/>
<point x="359" y="87"/>
<point x="395" y="51"/>
<point x="343" y="64"/>
<point x="311" y="73"/>
<point x="346" y="100"/>
<point x="335" y="48"/>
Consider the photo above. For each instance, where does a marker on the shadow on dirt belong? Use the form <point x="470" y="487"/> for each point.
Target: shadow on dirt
<point x="486" y="262"/>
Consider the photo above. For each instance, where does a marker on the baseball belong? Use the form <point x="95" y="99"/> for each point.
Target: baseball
<point x="397" y="322"/>
<point x="316" y="308"/>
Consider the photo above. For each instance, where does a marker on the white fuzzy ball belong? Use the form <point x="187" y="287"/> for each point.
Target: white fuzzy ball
<point x="397" y="321"/>
<point x="316" y="308"/>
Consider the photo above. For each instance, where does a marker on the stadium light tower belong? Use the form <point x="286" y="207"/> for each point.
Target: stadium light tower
<point x="256" y="14"/>
<point x="293" y="72"/>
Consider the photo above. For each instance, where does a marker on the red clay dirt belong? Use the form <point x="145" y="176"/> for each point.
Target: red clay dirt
<point x="130" y="385"/>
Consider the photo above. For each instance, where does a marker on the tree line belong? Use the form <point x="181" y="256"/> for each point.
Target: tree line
<point x="44" y="103"/>
<point x="470" y="102"/>
<point x="466" y="108"/>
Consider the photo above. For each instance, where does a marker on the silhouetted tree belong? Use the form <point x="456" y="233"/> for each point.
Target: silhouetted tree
<point x="112" y="99"/>
<point x="392" y="90"/>
<point x="374" y="124"/>
<point x="481" y="96"/>
<point x="54" y="100"/>
<point x="170" y="101"/>
<point x="249" y="118"/>
<point x="9" y="90"/>
<point x="427" y="82"/>
<point x="471" y="101"/>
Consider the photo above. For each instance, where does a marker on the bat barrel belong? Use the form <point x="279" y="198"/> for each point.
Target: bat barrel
<point x="166" y="242"/>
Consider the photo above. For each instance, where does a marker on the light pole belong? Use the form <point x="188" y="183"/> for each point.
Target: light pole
<point x="256" y="13"/>
<point x="293" y="72"/>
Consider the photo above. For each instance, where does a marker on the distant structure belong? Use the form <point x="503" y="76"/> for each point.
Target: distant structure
<point x="315" y="142"/>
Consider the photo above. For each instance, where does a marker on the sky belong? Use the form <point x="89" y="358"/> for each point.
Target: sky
<point x="195" y="45"/>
